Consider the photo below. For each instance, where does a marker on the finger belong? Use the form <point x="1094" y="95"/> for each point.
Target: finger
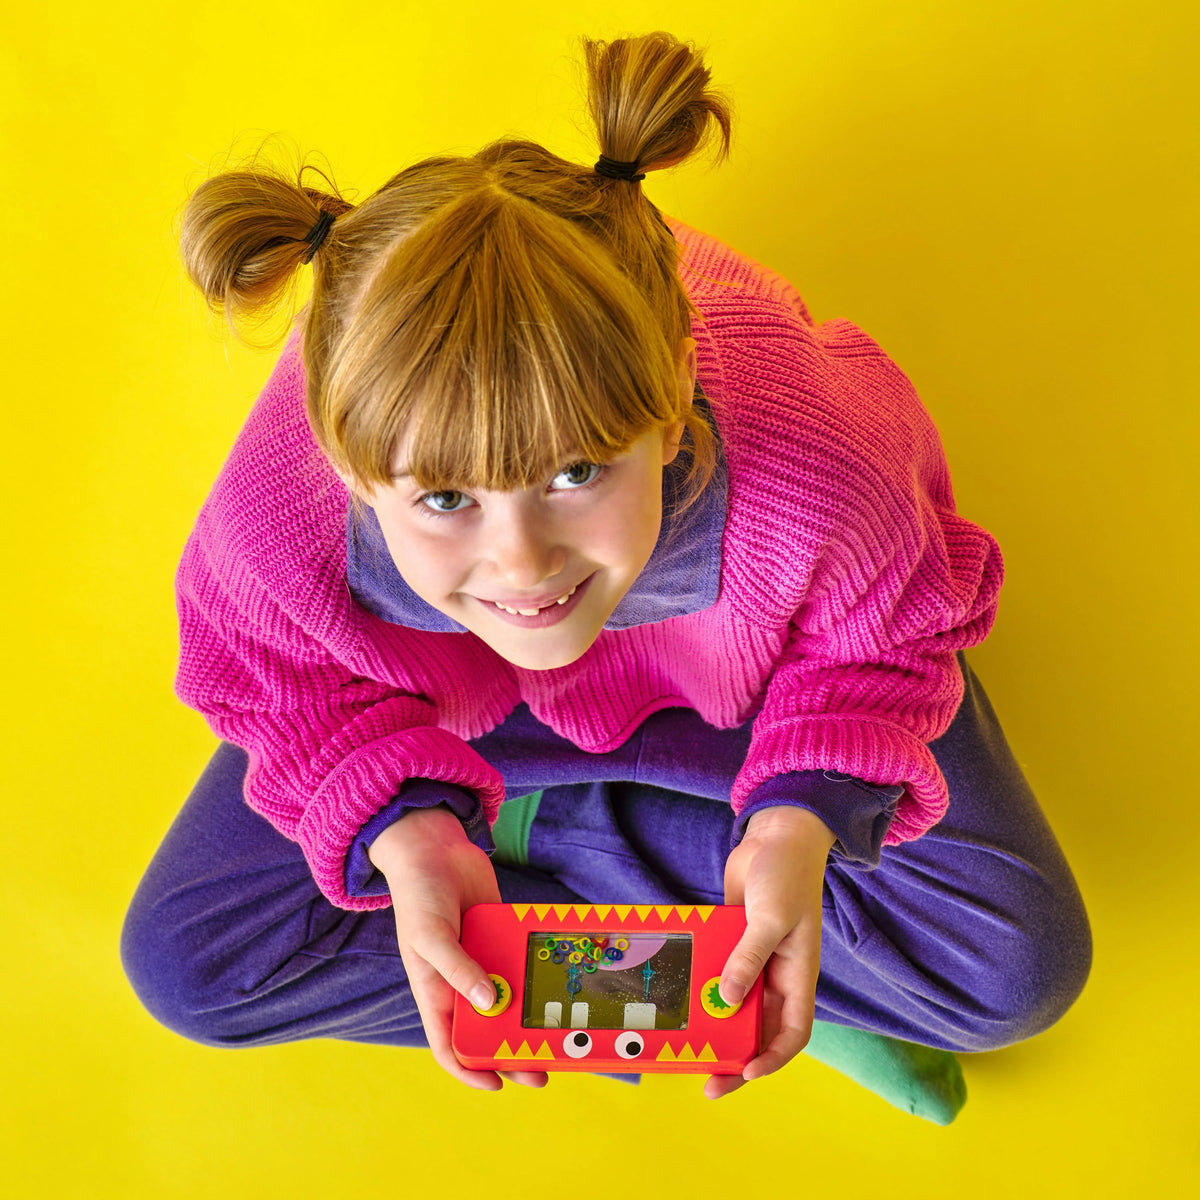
<point x="748" y="958"/>
<point x="789" y="1004"/>
<point x="716" y="1086"/>
<point x="435" y="1002"/>
<point x="534" y="1079"/>
<point x="435" y="941"/>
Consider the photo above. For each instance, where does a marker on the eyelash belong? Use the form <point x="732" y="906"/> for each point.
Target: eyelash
<point x="433" y="513"/>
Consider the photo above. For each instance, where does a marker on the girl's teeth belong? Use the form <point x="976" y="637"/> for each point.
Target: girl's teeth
<point x="533" y="612"/>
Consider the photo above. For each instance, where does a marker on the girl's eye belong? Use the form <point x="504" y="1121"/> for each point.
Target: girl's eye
<point x="446" y="502"/>
<point x="578" y="474"/>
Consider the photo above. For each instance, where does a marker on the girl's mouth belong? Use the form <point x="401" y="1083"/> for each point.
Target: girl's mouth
<point x="549" y="614"/>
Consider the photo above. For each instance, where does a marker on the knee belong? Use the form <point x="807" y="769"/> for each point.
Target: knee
<point x="1027" y="977"/>
<point x="167" y="976"/>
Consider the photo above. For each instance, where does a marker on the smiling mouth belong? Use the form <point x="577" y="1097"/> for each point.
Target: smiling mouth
<point x="533" y="612"/>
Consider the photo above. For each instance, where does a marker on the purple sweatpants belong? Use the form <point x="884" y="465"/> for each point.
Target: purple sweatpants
<point x="970" y="938"/>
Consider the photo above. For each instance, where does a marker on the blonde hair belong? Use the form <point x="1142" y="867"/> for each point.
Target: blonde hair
<point x="507" y="312"/>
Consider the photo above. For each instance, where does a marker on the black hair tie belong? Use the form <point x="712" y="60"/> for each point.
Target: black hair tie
<point x="618" y="170"/>
<point x="316" y="235"/>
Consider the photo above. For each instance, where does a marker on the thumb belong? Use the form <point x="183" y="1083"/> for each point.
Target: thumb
<point x="746" y="962"/>
<point x="434" y="940"/>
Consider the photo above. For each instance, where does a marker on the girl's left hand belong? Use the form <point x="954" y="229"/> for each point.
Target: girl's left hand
<point x="776" y="871"/>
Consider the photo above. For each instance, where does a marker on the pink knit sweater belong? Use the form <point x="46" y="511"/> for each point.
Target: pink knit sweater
<point x="847" y="584"/>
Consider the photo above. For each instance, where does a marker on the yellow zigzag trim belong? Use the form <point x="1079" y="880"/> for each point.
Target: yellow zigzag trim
<point x="686" y="1054"/>
<point x="523" y="1051"/>
<point x="584" y="912"/>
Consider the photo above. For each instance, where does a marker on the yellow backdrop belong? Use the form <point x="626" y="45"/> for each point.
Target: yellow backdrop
<point x="1004" y="195"/>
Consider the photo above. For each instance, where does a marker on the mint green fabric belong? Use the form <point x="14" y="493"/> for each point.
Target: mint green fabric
<point x="511" y="830"/>
<point x="916" y="1079"/>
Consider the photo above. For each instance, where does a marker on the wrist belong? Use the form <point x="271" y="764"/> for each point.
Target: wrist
<point x="434" y="825"/>
<point x="784" y="820"/>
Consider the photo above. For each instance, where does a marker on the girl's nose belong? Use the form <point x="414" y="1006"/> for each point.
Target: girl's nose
<point x="526" y="553"/>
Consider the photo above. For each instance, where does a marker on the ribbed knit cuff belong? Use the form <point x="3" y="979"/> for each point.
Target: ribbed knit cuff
<point x="363" y="878"/>
<point x="863" y="747"/>
<point x="357" y="785"/>
<point x="858" y="813"/>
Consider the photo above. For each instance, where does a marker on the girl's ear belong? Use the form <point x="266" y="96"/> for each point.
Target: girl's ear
<point x="687" y="371"/>
<point x="673" y="434"/>
<point x="347" y="482"/>
<point x="355" y="491"/>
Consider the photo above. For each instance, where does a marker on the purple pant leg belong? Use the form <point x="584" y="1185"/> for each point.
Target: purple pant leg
<point x="975" y="935"/>
<point x="229" y="942"/>
<point x="972" y="937"/>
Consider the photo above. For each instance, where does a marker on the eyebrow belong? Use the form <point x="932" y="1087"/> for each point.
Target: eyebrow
<point x="398" y="475"/>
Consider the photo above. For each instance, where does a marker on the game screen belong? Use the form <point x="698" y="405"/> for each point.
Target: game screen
<point x="607" y="981"/>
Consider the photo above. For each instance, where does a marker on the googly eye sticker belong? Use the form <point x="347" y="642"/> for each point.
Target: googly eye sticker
<point x="629" y="1044"/>
<point x="577" y="1044"/>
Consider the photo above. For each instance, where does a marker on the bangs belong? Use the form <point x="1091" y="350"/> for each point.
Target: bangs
<point x="499" y="343"/>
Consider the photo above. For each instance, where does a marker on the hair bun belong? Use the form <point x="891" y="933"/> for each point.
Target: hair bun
<point x="245" y="232"/>
<point x="650" y="101"/>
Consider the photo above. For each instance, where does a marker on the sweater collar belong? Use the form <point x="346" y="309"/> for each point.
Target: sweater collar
<point x="682" y="575"/>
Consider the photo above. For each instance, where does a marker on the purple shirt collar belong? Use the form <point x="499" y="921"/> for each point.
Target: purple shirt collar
<point x="683" y="574"/>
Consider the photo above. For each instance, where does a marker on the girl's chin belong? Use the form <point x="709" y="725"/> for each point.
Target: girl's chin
<point x="539" y="659"/>
<point x="541" y="649"/>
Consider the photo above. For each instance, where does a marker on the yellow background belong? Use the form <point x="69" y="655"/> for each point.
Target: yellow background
<point x="1003" y="194"/>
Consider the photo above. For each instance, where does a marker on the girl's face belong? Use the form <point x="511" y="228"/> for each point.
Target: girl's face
<point x="536" y="572"/>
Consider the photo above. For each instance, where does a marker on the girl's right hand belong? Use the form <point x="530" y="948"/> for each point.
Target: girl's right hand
<point x="435" y="874"/>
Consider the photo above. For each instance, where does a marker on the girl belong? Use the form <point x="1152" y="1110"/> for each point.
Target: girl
<point x="555" y="498"/>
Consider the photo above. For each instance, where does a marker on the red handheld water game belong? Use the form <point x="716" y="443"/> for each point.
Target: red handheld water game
<point x="609" y="987"/>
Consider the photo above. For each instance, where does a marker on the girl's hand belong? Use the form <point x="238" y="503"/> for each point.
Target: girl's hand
<point x="435" y="874"/>
<point x="776" y="871"/>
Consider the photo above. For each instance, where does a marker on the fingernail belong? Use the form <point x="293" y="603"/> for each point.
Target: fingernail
<point x="732" y="991"/>
<point x="482" y="995"/>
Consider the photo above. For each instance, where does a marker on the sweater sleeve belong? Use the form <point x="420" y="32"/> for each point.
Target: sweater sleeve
<point x="328" y="749"/>
<point x="890" y="583"/>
